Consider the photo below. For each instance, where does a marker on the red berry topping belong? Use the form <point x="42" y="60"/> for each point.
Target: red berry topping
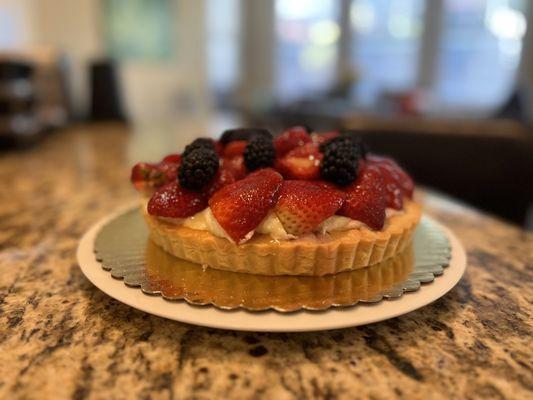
<point x="301" y="163"/>
<point x="141" y="171"/>
<point x="146" y="176"/>
<point x="290" y="139"/>
<point x="223" y="177"/>
<point x="393" y="192"/>
<point x="397" y="183"/>
<point x="241" y="206"/>
<point x="320" y="138"/>
<point x="219" y="148"/>
<point x="236" y="166"/>
<point x="235" y="148"/>
<point x="172" y="158"/>
<point x="402" y="178"/>
<point x="365" y="198"/>
<point x="169" y="170"/>
<point x="173" y="201"/>
<point x="302" y="206"/>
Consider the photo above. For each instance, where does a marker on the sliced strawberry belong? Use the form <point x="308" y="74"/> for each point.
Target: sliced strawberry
<point x="397" y="183"/>
<point x="302" y="206"/>
<point x="222" y="178"/>
<point x="172" y="158"/>
<point x="366" y="198"/>
<point x="301" y="163"/>
<point x="173" y="201"/>
<point x="236" y="166"/>
<point x="241" y="206"/>
<point x="141" y="171"/>
<point x="320" y="138"/>
<point x="393" y="191"/>
<point x="290" y="139"/>
<point x="169" y="170"/>
<point x="398" y="173"/>
<point x="146" y="176"/>
<point x="235" y="148"/>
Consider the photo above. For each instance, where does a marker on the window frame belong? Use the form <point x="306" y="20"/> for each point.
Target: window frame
<point x="261" y="16"/>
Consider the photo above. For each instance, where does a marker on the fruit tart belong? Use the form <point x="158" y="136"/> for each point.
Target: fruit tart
<point x="302" y="203"/>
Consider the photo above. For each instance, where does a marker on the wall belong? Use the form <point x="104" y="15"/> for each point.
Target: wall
<point x="73" y="27"/>
<point x="163" y="90"/>
<point x="525" y="73"/>
<point x="16" y="27"/>
<point x="152" y="91"/>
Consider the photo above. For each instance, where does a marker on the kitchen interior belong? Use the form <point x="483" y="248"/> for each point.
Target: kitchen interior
<point x="89" y="87"/>
<point x="432" y="83"/>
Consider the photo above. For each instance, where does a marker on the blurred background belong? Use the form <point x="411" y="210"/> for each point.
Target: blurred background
<point x="445" y="86"/>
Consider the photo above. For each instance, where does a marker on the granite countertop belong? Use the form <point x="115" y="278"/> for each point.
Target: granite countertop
<point x="60" y="337"/>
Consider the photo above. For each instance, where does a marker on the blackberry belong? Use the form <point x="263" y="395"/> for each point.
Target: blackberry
<point x="308" y="128"/>
<point x="358" y="139"/>
<point x="243" y="134"/>
<point x="259" y="153"/>
<point x="198" y="168"/>
<point x="340" y="164"/>
<point x="198" y="144"/>
<point x="348" y="140"/>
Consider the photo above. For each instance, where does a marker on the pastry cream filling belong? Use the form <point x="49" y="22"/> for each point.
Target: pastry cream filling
<point x="271" y="225"/>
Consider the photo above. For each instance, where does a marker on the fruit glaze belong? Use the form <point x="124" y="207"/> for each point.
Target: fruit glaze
<point x="299" y="183"/>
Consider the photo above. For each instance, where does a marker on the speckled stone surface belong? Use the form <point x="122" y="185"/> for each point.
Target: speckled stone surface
<point x="60" y="337"/>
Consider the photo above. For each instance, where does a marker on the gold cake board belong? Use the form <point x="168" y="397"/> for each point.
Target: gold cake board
<point x="123" y="247"/>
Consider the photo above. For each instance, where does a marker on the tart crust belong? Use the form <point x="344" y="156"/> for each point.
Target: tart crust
<point x="308" y="255"/>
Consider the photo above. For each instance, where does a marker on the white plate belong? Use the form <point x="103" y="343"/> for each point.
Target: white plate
<point x="269" y="321"/>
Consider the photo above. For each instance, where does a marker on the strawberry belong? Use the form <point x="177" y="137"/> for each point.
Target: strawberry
<point x="396" y="172"/>
<point x="173" y="201"/>
<point x="302" y="206"/>
<point x="320" y="138"/>
<point x="301" y="163"/>
<point x="397" y="183"/>
<point x="235" y="148"/>
<point x="236" y="166"/>
<point x="169" y="170"/>
<point x="172" y="158"/>
<point x="219" y="148"/>
<point x="366" y="199"/>
<point x="146" y="176"/>
<point x="393" y="192"/>
<point x="290" y="139"/>
<point x="141" y="171"/>
<point x="222" y="178"/>
<point x="241" y="206"/>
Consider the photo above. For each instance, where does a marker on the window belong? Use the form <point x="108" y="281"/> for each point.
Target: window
<point x="138" y="29"/>
<point x="480" y="51"/>
<point x="385" y="42"/>
<point x="465" y="53"/>
<point x="223" y="38"/>
<point x="307" y="32"/>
